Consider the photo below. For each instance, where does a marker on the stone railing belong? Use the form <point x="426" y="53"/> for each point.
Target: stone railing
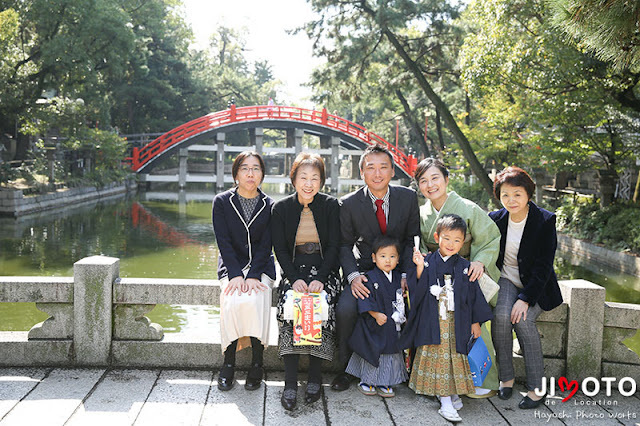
<point x="97" y="319"/>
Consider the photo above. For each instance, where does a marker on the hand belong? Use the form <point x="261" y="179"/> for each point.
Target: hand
<point x="316" y="286"/>
<point x="300" y="286"/>
<point x="519" y="311"/>
<point x="475" y="270"/>
<point x="417" y="258"/>
<point x="475" y="330"/>
<point x="381" y="318"/>
<point x="254" y="285"/>
<point x="358" y="289"/>
<point x="235" y="283"/>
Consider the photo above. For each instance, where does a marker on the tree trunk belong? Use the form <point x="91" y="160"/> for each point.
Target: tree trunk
<point x="449" y="121"/>
<point x="439" y="131"/>
<point x="415" y="127"/>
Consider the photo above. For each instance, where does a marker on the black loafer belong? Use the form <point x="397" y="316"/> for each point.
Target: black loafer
<point x="289" y="399"/>
<point x="341" y="382"/>
<point x="528" y="403"/>
<point x="254" y="377"/>
<point x="225" y="378"/>
<point x="505" y="393"/>
<point x="314" y="391"/>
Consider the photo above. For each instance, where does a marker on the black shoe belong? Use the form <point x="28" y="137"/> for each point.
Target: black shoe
<point x="289" y="399"/>
<point x="314" y="391"/>
<point x="528" y="403"/>
<point x="225" y="378"/>
<point x="505" y="392"/>
<point x="341" y="382"/>
<point x="254" y="377"/>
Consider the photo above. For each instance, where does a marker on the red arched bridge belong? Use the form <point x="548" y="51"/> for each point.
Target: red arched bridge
<point x="237" y="118"/>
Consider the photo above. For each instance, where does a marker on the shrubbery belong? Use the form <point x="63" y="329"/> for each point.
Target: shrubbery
<point x="616" y="226"/>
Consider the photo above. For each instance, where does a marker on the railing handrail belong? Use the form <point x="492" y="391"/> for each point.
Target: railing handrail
<point x="143" y="155"/>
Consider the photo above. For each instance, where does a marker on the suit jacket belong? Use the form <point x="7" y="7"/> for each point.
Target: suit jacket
<point x="423" y="323"/>
<point x="359" y="227"/>
<point x="370" y="340"/>
<point x="535" y="256"/>
<point x="242" y="244"/>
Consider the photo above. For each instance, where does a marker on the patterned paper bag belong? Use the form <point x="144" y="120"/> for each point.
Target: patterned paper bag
<point x="307" y="321"/>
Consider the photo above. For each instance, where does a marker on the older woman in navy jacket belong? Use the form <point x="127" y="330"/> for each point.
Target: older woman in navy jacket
<point x="528" y="284"/>
<point x="242" y="224"/>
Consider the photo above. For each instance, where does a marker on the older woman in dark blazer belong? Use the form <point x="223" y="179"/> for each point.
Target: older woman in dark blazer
<point x="528" y="284"/>
<point x="242" y="224"/>
<point x="306" y="241"/>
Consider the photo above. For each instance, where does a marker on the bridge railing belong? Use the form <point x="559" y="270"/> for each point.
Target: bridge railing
<point x="143" y="155"/>
<point x="98" y="319"/>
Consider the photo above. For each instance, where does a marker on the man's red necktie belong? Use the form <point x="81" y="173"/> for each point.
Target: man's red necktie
<point x="382" y="220"/>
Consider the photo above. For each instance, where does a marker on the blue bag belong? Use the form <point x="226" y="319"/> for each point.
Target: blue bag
<point x="479" y="360"/>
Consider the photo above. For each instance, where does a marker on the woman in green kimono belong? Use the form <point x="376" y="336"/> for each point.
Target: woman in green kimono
<point x="481" y="246"/>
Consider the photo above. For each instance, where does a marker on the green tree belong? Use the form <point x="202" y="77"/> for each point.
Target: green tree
<point x="608" y="29"/>
<point x="59" y="47"/>
<point x="544" y="102"/>
<point x="357" y="29"/>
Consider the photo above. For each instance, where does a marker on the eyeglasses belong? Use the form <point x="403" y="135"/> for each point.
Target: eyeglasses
<point x="245" y="170"/>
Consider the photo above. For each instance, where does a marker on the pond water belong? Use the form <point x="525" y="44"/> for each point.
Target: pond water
<point x="155" y="235"/>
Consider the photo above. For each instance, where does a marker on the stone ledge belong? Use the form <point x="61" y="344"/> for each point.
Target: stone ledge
<point x="627" y="263"/>
<point x="166" y="291"/>
<point x="558" y="314"/>
<point x="619" y="370"/>
<point x="17" y="351"/>
<point x="621" y="315"/>
<point x="16" y="204"/>
<point x="36" y="289"/>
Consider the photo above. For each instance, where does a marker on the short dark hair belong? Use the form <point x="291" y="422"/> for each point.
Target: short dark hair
<point x="427" y="163"/>
<point x="375" y="149"/>
<point x="307" y="159"/>
<point x="235" y="168"/>
<point x="451" y="222"/>
<point x="514" y="176"/>
<point x="383" y="241"/>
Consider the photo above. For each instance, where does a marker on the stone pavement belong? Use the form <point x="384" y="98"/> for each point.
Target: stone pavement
<point x="55" y="396"/>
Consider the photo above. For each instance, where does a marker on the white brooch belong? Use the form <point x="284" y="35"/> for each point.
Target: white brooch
<point x="375" y="285"/>
<point x="426" y="264"/>
<point x="465" y="271"/>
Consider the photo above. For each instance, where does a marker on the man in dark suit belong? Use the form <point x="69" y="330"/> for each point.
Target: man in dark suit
<point x="375" y="209"/>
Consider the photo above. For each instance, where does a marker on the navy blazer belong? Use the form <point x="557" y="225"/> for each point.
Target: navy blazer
<point x="370" y="340"/>
<point x="423" y="324"/>
<point x="242" y="244"/>
<point x="359" y="227"/>
<point x="535" y="256"/>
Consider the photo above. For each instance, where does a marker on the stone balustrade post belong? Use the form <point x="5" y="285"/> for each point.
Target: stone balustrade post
<point x="220" y="137"/>
<point x="257" y="139"/>
<point x="585" y="322"/>
<point x="182" y="169"/>
<point x="335" y="164"/>
<point x="92" y="309"/>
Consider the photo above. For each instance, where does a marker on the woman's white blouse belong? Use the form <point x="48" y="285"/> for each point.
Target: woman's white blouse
<point x="510" y="269"/>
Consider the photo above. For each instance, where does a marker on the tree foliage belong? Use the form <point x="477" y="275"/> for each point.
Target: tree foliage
<point x="409" y="39"/>
<point x="128" y="62"/>
<point x="610" y="29"/>
<point x="542" y="102"/>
